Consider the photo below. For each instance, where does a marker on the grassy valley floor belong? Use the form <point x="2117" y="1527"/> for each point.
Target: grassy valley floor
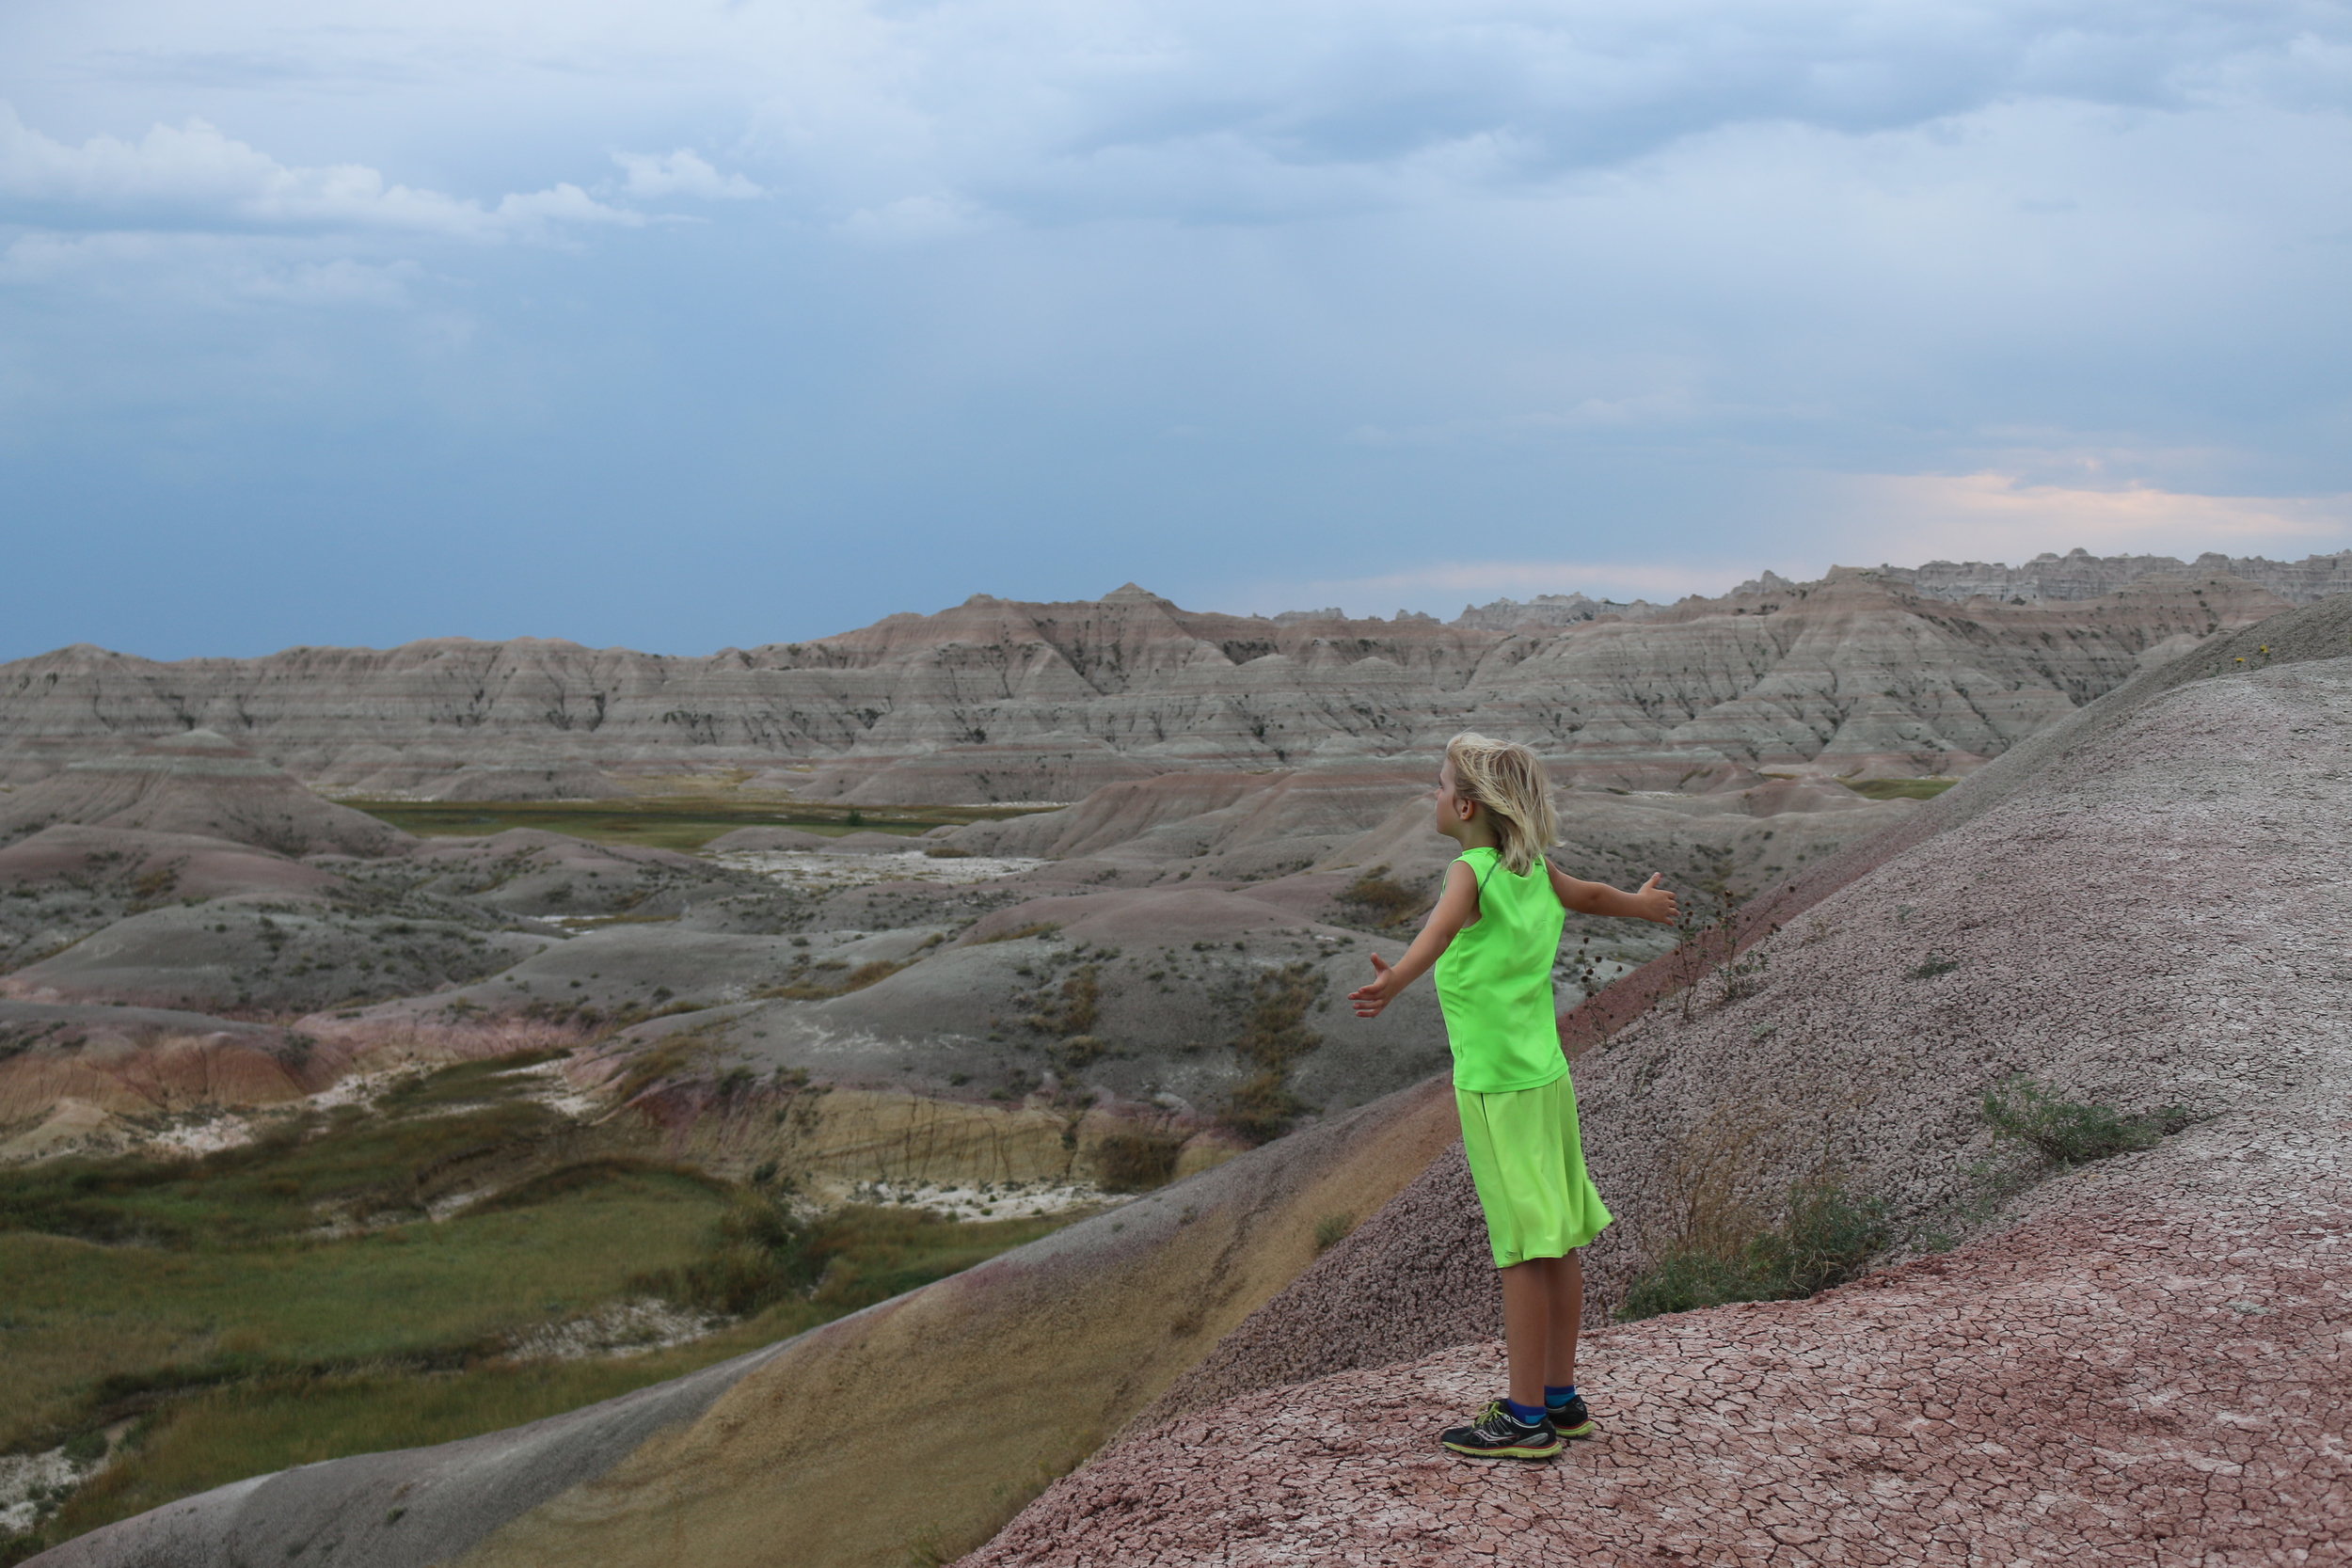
<point x="448" y="1260"/>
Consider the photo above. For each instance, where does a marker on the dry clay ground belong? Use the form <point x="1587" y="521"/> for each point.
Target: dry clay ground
<point x="2150" y="1364"/>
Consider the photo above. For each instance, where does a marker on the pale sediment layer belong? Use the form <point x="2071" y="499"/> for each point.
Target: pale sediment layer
<point x="194" y="781"/>
<point x="997" y="700"/>
<point x="840" y="1143"/>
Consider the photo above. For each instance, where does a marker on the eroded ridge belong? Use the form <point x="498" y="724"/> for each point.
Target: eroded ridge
<point x="2154" y="1369"/>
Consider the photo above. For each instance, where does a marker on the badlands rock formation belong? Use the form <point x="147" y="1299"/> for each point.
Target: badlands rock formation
<point x="2048" y="577"/>
<point x="2140" y="1360"/>
<point x="1123" y="961"/>
<point x="197" y="781"/>
<point x="1857" y="676"/>
<point x="2080" y="575"/>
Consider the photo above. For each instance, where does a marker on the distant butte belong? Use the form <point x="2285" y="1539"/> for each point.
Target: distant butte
<point x="1868" y="672"/>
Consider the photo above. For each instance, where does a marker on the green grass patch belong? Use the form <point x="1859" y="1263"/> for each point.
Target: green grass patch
<point x="682" y="823"/>
<point x="1826" y="1237"/>
<point x="759" y="1255"/>
<point x="1898" y="789"/>
<point x="93" y="1325"/>
<point x="246" y="1339"/>
<point x="366" y="1165"/>
<point x="1138" y="1159"/>
<point x="2069" y="1132"/>
<point x="271" y="1422"/>
<point x="293" y="1299"/>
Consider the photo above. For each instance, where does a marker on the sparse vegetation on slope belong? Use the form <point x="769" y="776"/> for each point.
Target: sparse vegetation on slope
<point x="1274" y="1035"/>
<point x="2067" y="1132"/>
<point x="1826" y="1236"/>
<point x="295" y="1299"/>
<point x="1380" y="901"/>
<point x="1137" y="1160"/>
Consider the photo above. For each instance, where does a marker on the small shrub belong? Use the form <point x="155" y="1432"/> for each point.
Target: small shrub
<point x="1684" y="1282"/>
<point x="1743" y="978"/>
<point x="1041" y="928"/>
<point x="762" y="1254"/>
<point x="870" y="974"/>
<point x="1381" y="899"/>
<point x="1080" y="1052"/>
<point x="1933" y="967"/>
<point x="1826" y="1237"/>
<point x="1274" y="1035"/>
<point x="1073" y="1011"/>
<point x="155" y="885"/>
<point x="1332" y="1230"/>
<point x="1139" y="1160"/>
<point x="2069" y="1132"/>
<point x="1261" y="1107"/>
<point x="947" y="852"/>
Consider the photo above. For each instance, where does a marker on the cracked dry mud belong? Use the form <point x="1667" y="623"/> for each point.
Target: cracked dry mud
<point x="2151" y="1370"/>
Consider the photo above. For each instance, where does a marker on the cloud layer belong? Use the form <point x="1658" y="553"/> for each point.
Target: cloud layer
<point x="1242" y="301"/>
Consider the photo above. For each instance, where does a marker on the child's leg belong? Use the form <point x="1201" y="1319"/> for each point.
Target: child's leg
<point x="1568" y="1319"/>
<point x="1543" y="1312"/>
<point x="1527" y="1328"/>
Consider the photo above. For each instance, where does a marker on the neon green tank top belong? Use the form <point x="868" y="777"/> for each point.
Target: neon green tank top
<point x="1494" y="981"/>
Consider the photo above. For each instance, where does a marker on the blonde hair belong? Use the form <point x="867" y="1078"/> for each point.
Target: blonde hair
<point x="1504" y="777"/>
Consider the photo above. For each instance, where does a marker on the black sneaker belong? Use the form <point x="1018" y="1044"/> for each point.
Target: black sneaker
<point x="1500" y="1434"/>
<point x="1571" y="1419"/>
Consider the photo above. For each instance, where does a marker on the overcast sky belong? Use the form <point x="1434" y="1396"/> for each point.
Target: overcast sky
<point x="685" y="325"/>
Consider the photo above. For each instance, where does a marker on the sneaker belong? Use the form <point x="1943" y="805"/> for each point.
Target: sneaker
<point x="1571" y="1419"/>
<point x="1499" y="1434"/>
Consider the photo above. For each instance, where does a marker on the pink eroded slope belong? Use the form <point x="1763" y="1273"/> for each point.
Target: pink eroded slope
<point x="2148" y="907"/>
<point x="2154" y="1371"/>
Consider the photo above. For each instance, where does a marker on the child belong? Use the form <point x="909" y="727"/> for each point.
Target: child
<point x="1493" y="939"/>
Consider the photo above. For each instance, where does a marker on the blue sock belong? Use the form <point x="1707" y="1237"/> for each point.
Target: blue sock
<point x="1558" y="1396"/>
<point x="1527" y="1416"/>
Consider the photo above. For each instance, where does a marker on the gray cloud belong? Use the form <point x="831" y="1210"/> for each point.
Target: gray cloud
<point x="1040" y="298"/>
<point x="1245" y="110"/>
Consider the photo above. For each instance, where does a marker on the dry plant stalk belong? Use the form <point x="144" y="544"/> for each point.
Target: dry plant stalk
<point x="1705" y="1212"/>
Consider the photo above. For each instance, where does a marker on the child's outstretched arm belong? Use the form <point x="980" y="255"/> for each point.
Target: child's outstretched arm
<point x="1456" y="905"/>
<point x="1650" y="902"/>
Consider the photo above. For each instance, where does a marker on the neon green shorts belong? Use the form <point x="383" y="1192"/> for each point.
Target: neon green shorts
<point x="1528" y="1162"/>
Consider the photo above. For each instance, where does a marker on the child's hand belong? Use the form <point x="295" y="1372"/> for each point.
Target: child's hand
<point x="1383" y="990"/>
<point x="1653" y="902"/>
